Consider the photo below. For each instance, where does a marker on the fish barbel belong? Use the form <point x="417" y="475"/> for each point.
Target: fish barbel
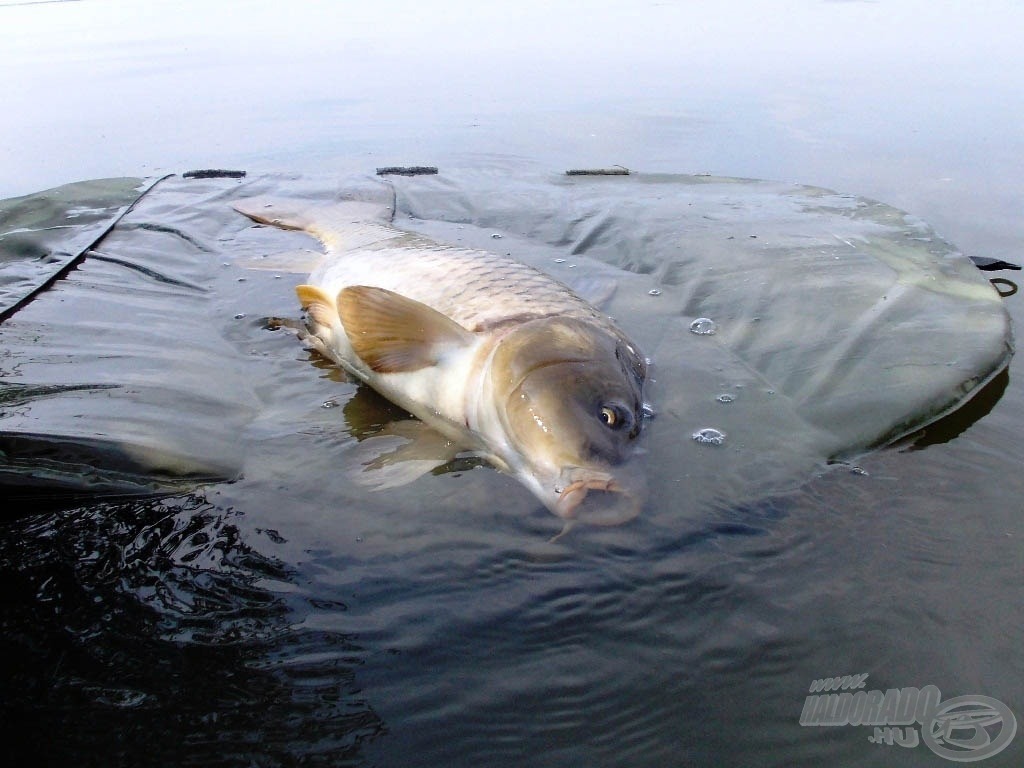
<point x="500" y="358"/>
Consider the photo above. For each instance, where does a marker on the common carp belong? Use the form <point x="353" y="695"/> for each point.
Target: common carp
<point x="503" y="360"/>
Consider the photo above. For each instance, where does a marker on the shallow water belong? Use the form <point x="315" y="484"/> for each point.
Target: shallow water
<point x="263" y="622"/>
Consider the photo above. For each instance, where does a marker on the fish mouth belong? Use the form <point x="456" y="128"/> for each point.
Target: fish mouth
<point x="599" y="499"/>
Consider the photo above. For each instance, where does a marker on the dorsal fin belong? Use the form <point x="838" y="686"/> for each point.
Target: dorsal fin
<point x="392" y="333"/>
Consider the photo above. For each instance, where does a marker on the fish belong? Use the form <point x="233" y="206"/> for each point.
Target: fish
<point x="504" y="361"/>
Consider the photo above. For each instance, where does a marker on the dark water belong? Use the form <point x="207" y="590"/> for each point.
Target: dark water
<point x="265" y="622"/>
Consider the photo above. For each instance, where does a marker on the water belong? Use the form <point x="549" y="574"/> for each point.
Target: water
<point x="271" y="621"/>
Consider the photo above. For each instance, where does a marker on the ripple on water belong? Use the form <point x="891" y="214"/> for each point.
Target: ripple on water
<point x="150" y="619"/>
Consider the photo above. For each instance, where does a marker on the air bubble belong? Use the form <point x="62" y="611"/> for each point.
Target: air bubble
<point x="725" y="397"/>
<point x="703" y="326"/>
<point x="709" y="436"/>
<point x="559" y="261"/>
<point x="654" y="292"/>
<point x="496" y="236"/>
<point x="332" y="403"/>
<point x="240" y="315"/>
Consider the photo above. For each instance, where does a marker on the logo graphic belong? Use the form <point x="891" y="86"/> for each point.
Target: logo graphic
<point x="963" y="729"/>
<point x="959" y="730"/>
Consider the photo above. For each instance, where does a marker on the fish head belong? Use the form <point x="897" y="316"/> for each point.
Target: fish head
<point x="570" y="396"/>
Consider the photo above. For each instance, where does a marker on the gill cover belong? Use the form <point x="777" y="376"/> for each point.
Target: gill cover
<point x="573" y="396"/>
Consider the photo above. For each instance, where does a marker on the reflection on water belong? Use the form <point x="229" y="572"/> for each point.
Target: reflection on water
<point x="956" y="423"/>
<point x="150" y="633"/>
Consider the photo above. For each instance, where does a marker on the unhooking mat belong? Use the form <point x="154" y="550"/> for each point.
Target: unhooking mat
<point x="138" y="353"/>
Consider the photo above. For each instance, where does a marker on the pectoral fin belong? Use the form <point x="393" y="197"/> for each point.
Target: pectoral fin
<point x="392" y="333"/>
<point x="323" y="320"/>
<point x="320" y="307"/>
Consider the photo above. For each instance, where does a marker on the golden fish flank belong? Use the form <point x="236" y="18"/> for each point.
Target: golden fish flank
<point x="502" y="359"/>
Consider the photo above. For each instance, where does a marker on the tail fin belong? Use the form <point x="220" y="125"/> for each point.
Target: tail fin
<point x="348" y="224"/>
<point x="283" y="214"/>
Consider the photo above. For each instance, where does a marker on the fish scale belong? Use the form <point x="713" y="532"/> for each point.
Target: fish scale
<point x="472" y="287"/>
<point x="476" y="289"/>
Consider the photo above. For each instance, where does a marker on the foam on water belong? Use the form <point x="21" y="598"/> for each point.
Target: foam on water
<point x="709" y="436"/>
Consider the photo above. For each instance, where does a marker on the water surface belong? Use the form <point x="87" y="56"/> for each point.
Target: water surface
<point x="259" y="622"/>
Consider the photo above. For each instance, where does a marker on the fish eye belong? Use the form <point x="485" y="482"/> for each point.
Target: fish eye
<point x="613" y="416"/>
